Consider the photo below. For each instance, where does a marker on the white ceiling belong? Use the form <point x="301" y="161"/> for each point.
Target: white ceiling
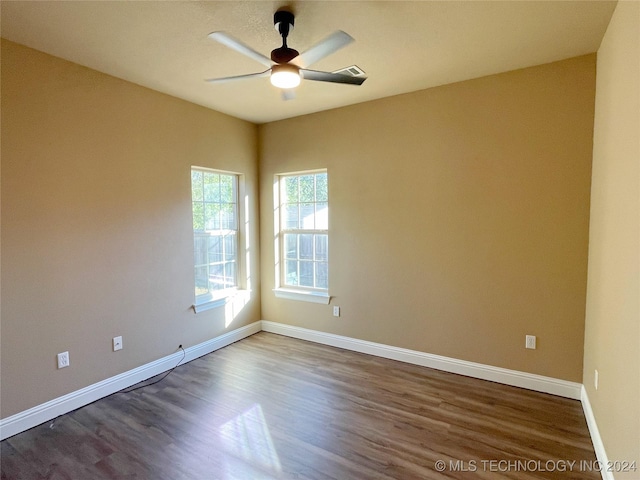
<point x="402" y="46"/>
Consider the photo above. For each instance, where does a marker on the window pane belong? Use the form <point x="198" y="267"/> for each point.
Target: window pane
<point x="230" y="271"/>
<point x="322" y="195"/>
<point x="202" y="282"/>
<point x="321" y="248"/>
<point x="307" y="215"/>
<point x="228" y="216"/>
<point x="211" y="216"/>
<point x="200" y="250"/>
<point x="211" y="187"/>
<point x="198" y="216"/>
<point x="291" y="246"/>
<point x="306" y="247"/>
<point x="291" y="217"/>
<point x="291" y="190"/>
<point x="291" y="272"/>
<point x="306" y="274"/>
<point x="307" y="193"/>
<point x="230" y="248"/>
<point x="234" y="190"/>
<point x="322" y="216"/>
<point x="215" y="249"/>
<point x="196" y="185"/>
<point x="226" y="189"/>
<point x="322" y="275"/>
<point x="216" y="276"/>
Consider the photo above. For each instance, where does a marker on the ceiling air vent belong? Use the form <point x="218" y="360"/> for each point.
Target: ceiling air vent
<point x="353" y="71"/>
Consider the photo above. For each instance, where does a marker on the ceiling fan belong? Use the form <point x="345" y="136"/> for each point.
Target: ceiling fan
<point x="287" y="67"/>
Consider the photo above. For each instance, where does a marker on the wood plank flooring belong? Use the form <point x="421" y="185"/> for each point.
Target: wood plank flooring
<point x="271" y="407"/>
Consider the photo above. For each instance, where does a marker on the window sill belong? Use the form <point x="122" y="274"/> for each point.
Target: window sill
<point x="218" y="302"/>
<point x="302" y="295"/>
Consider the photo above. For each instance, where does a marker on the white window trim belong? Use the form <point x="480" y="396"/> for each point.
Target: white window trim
<point x="221" y="297"/>
<point x="303" y="295"/>
<point x="220" y="300"/>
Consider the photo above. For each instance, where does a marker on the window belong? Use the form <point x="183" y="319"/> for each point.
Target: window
<point x="214" y="197"/>
<point x="304" y="232"/>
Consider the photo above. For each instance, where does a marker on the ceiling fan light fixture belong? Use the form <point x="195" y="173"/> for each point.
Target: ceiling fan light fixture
<point x="285" y="76"/>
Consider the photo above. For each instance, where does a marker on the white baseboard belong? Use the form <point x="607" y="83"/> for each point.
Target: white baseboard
<point x="515" y="378"/>
<point x="598" y="446"/>
<point x="58" y="406"/>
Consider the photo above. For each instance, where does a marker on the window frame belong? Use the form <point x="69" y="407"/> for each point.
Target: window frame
<point x="215" y="298"/>
<point x="283" y="290"/>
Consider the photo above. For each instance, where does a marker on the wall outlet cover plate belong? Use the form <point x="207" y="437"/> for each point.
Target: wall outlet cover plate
<point x="63" y="359"/>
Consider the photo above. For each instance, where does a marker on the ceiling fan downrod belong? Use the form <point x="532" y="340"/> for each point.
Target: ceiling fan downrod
<point x="283" y="21"/>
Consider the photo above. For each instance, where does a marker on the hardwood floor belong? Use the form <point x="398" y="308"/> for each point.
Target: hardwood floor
<point x="272" y="407"/>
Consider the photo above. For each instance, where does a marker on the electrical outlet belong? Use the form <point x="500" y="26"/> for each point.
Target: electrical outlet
<point x="595" y="379"/>
<point x="117" y="343"/>
<point x="336" y="311"/>
<point x="63" y="359"/>
<point x="530" y="342"/>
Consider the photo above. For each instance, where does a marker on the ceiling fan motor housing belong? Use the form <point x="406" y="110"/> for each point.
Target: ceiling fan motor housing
<point x="283" y="54"/>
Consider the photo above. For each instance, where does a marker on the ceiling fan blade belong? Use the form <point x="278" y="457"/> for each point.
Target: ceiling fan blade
<point x="238" y="77"/>
<point x="331" y="77"/>
<point x="235" y="44"/>
<point x="288" y="94"/>
<point x="323" y="48"/>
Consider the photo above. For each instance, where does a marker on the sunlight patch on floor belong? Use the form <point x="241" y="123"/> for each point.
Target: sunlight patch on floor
<point x="247" y="438"/>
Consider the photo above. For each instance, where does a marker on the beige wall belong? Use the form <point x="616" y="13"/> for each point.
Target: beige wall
<point x="96" y="223"/>
<point x="458" y="217"/>
<point x="612" y="336"/>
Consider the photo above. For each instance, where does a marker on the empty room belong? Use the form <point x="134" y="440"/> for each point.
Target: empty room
<point x="320" y="240"/>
